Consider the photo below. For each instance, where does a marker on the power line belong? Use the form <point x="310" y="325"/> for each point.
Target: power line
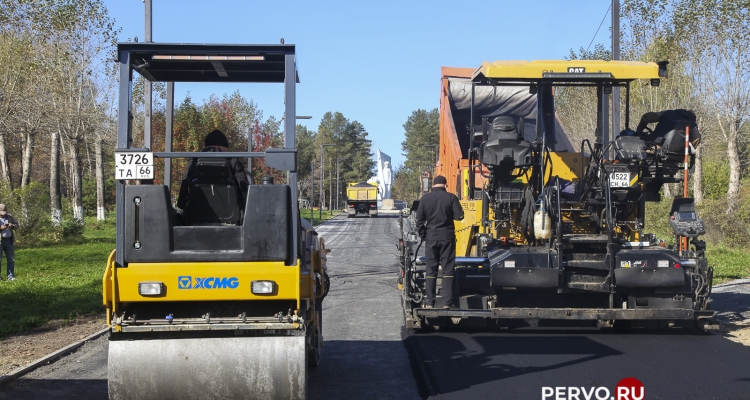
<point x="600" y="26"/>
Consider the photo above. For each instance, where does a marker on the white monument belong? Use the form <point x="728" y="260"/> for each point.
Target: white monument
<point x="385" y="176"/>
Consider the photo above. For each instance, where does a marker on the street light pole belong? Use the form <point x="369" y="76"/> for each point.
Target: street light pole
<point x="148" y="97"/>
<point x="312" y="190"/>
<point x="616" y="56"/>
<point x="419" y="180"/>
<point x="250" y="149"/>
<point x="320" y="209"/>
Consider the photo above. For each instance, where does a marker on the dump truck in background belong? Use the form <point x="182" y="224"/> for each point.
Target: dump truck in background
<point x="362" y="199"/>
<point x="555" y="230"/>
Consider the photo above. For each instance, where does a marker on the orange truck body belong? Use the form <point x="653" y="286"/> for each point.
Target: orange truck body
<point x="453" y="161"/>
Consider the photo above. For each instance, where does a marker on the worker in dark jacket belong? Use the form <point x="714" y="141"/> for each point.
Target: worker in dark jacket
<point x="7" y="225"/>
<point x="435" y="215"/>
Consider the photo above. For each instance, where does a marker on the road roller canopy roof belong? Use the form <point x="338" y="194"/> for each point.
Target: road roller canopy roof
<point x="570" y="71"/>
<point x="208" y="63"/>
<point x="201" y="63"/>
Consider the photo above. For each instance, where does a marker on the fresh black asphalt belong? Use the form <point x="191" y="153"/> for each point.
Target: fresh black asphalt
<point x="518" y="364"/>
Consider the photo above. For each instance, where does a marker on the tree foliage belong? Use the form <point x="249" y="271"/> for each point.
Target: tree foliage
<point x="351" y="154"/>
<point x="55" y="77"/>
<point x="705" y="42"/>
<point x="58" y="118"/>
<point x="421" y="136"/>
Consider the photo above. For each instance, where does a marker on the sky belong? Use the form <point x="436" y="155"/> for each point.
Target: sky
<point x="374" y="61"/>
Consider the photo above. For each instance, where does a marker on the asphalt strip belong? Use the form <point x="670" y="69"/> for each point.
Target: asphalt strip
<point x="50" y="357"/>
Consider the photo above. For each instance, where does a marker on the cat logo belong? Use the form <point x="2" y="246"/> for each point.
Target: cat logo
<point x="576" y="70"/>
<point x="633" y="264"/>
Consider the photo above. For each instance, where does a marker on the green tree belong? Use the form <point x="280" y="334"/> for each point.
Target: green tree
<point x="421" y="136"/>
<point x="235" y="116"/>
<point x="718" y="37"/>
<point x="351" y="154"/>
<point x="306" y="154"/>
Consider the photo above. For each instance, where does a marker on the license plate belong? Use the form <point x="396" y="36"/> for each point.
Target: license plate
<point x="135" y="165"/>
<point x="619" y="179"/>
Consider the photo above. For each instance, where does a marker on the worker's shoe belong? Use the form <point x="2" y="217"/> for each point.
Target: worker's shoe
<point x="450" y="307"/>
<point x="11" y="278"/>
<point x="429" y="306"/>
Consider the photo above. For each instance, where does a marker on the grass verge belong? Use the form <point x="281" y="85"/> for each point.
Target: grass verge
<point x="61" y="281"/>
<point x="318" y="216"/>
<point x="728" y="263"/>
<point x="730" y="260"/>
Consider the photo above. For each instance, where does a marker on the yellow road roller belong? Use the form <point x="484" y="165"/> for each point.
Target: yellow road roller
<point x="222" y="298"/>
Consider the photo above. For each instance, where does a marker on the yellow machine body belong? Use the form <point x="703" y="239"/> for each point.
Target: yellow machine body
<point x="218" y="295"/>
<point x="354" y="192"/>
<point x="538" y="69"/>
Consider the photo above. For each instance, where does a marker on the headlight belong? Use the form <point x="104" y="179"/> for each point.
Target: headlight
<point x="150" y="288"/>
<point x="262" y="287"/>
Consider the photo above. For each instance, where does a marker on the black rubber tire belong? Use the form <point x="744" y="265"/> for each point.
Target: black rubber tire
<point x="314" y="353"/>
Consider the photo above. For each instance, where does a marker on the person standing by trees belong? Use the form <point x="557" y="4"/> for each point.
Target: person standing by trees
<point x="7" y="224"/>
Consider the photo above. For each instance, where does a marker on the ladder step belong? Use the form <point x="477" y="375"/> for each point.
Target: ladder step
<point x="584" y="239"/>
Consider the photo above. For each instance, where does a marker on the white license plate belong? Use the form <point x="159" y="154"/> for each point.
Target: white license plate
<point x="136" y="165"/>
<point x="619" y="179"/>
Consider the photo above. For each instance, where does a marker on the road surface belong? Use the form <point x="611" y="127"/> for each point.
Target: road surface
<point x="364" y="356"/>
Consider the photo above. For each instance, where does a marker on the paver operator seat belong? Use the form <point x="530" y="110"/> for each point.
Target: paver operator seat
<point x="506" y="148"/>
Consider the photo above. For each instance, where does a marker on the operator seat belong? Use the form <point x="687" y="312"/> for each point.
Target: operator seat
<point x="669" y="134"/>
<point x="506" y="148"/>
<point x="214" y="195"/>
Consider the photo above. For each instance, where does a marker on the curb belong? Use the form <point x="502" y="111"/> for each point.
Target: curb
<point x="49" y="357"/>
<point x="734" y="282"/>
<point x="324" y="222"/>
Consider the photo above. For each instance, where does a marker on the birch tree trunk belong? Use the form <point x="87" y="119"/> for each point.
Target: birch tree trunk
<point x="100" y="209"/>
<point x="27" y="156"/>
<point x="4" y="166"/>
<point x="733" y="153"/>
<point x="54" y="180"/>
<point x="698" y="176"/>
<point x="76" y="184"/>
<point x="667" y="190"/>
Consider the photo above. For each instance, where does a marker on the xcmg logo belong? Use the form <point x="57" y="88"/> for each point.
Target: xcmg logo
<point x="188" y="282"/>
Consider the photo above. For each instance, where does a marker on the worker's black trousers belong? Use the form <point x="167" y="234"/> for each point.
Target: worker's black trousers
<point x="441" y="252"/>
